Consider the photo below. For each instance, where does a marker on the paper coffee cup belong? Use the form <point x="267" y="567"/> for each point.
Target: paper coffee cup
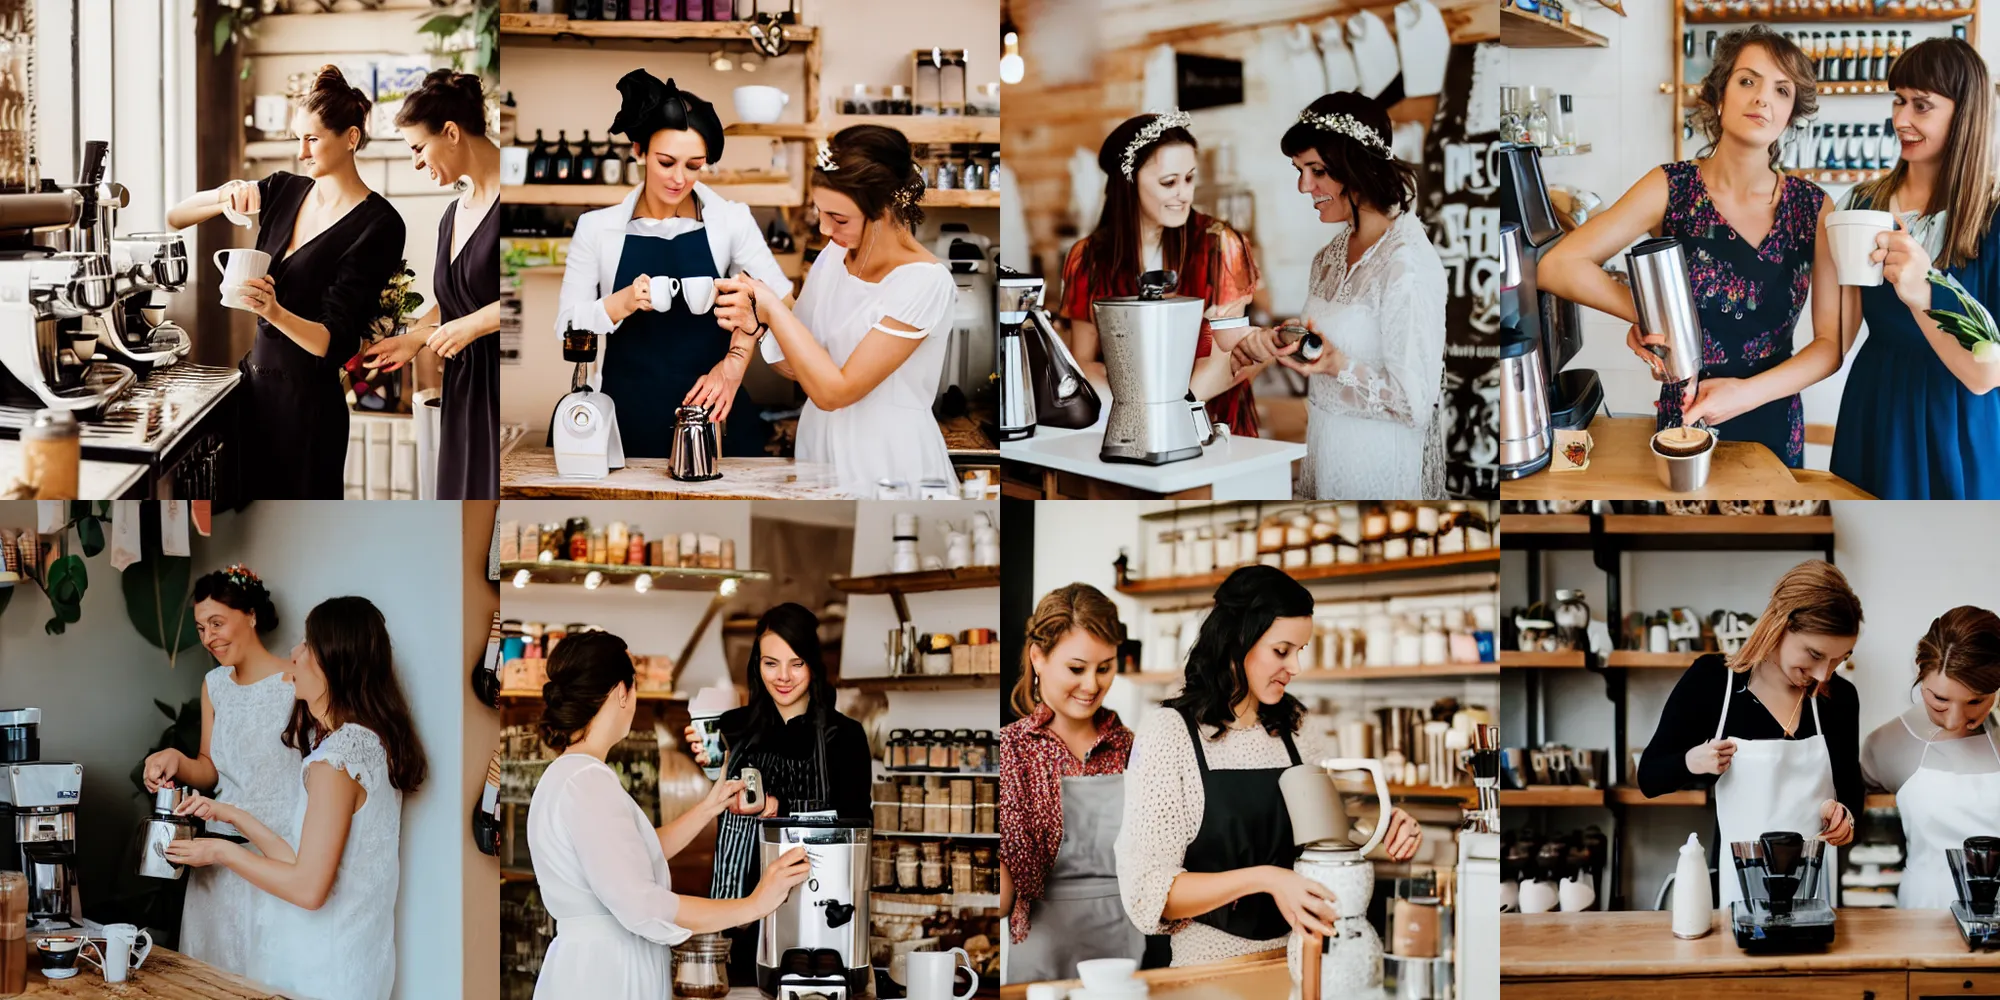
<point x="1852" y="234"/>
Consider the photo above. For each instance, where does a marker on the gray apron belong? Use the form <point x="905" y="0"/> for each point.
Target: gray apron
<point x="1080" y="915"/>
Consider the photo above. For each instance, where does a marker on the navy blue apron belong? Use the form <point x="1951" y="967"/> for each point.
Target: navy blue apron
<point x="655" y="358"/>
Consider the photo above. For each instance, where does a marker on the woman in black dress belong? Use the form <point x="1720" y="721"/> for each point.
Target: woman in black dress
<point x="333" y="246"/>
<point x="445" y="125"/>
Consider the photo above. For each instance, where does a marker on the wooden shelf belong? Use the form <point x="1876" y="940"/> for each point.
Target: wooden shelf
<point x="1464" y="795"/>
<point x="939" y="682"/>
<point x="1544" y="524"/>
<point x="1514" y="659"/>
<point x="1665" y="661"/>
<point x="934" y="198"/>
<point x="936" y="836"/>
<point x="1630" y="795"/>
<point x="969" y="578"/>
<point x="516" y="875"/>
<point x="772" y="195"/>
<point x="1442" y="671"/>
<point x="558" y="26"/>
<point x="523" y="695"/>
<point x="1522" y="30"/>
<point x="1643" y="532"/>
<point x="917" y="128"/>
<point x="1551" y="795"/>
<point x="567" y="573"/>
<point x="1780" y="16"/>
<point x="1457" y="562"/>
<point x="917" y="772"/>
<point x="1840" y="176"/>
<point x="1718" y="524"/>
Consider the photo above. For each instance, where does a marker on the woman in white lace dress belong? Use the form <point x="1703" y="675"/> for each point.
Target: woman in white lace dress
<point x="1378" y="299"/>
<point x="327" y="919"/>
<point x="243" y="761"/>
<point x="867" y="339"/>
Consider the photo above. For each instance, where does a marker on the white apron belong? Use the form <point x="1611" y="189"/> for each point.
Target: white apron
<point x="1940" y="809"/>
<point x="1771" y="785"/>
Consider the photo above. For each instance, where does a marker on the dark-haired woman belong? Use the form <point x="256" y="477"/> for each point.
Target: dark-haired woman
<point x="600" y="864"/>
<point x="1755" y="247"/>
<point x="867" y="339"/>
<point x="1205" y="851"/>
<point x="1941" y="758"/>
<point x="334" y="245"/>
<point x="246" y="703"/>
<point x="666" y="353"/>
<point x="813" y="759"/>
<point x="327" y="919"/>
<point x="1148" y="223"/>
<point x="444" y="122"/>
<point x="1377" y="293"/>
<point x="1919" y="419"/>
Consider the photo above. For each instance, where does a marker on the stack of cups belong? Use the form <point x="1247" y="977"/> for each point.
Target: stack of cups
<point x="905" y="558"/>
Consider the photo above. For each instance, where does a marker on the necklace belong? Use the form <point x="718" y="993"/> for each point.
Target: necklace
<point x="867" y="248"/>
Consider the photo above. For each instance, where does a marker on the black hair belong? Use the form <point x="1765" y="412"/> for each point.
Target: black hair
<point x="1112" y="252"/>
<point x="649" y="106"/>
<point x="240" y="591"/>
<point x="1367" y="174"/>
<point x="446" y="96"/>
<point x="350" y="639"/>
<point x="799" y="629"/>
<point x="583" y="671"/>
<point x="873" y="165"/>
<point x="1246" y="604"/>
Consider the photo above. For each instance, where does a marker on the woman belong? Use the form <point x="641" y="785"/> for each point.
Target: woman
<point x="1062" y="792"/>
<point x="246" y="703"/>
<point x="1373" y="426"/>
<point x="1940" y="758"/>
<point x="867" y="340"/>
<point x="1918" y="417"/>
<point x="1205" y="849"/>
<point x="1774" y="765"/>
<point x="667" y="354"/>
<point x="334" y="245"/>
<point x="327" y="927"/>
<point x="445" y="124"/>
<point x="600" y="864"/>
<point x="1148" y="223"/>
<point x="1754" y="245"/>
<point x="812" y="758"/>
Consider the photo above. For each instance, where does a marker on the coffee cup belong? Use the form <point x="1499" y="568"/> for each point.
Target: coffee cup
<point x="699" y="293"/>
<point x="705" y="717"/>
<point x="121" y="952"/>
<point x="933" y="975"/>
<point x="59" y="955"/>
<point x="239" y="267"/>
<point x="1852" y="236"/>
<point x="1681" y="457"/>
<point x="664" y="289"/>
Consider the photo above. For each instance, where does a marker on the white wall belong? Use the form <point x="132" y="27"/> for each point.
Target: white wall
<point x="1630" y="124"/>
<point x="871" y="617"/>
<point x="406" y="559"/>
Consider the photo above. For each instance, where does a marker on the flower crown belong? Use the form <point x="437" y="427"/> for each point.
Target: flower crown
<point x="1162" y="121"/>
<point x="240" y="575"/>
<point x="825" y="162"/>
<point x="1346" y="125"/>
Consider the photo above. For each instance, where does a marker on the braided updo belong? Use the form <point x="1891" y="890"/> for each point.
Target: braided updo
<point x="583" y="671"/>
<point x="872" y="165"/>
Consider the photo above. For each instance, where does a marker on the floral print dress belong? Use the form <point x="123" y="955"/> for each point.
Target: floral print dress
<point x="1749" y="299"/>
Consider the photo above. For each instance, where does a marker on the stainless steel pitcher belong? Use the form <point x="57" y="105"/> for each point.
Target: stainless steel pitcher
<point x="1019" y="296"/>
<point x="697" y="447"/>
<point x="1665" y="300"/>
<point x="161" y="829"/>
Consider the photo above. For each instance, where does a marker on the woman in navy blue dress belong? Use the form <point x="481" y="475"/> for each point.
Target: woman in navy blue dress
<point x="1919" y="418"/>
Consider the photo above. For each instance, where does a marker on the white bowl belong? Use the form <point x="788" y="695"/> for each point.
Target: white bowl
<point x="762" y="105"/>
<point x="1106" y="974"/>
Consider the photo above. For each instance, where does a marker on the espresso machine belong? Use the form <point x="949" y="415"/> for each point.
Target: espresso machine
<point x="1975" y="873"/>
<point x="38" y="821"/>
<point x="1572" y="397"/>
<point x="1149" y="341"/>
<point x="1526" y="439"/>
<point x="1784" y="905"/>
<point x="1350" y="961"/>
<point x="584" y="431"/>
<point x="814" y="946"/>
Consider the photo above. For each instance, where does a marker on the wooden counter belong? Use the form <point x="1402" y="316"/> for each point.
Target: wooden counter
<point x="1886" y="953"/>
<point x="1254" y="977"/>
<point x="530" y="471"/>
<point x="167" y="975"/>
<point x="1621" y="468"/>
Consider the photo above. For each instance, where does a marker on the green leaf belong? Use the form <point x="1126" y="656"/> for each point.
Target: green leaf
<point x="53" y="626"/>
<point x="90" y="531"/>
<point x="69" y="613"/>
<point x="222" y="30"/>
<point x="443" y="25"/>
<point x="156" y="600"/>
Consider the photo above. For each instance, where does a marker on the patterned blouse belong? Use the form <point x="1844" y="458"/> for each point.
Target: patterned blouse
<point x="1749" y="299"/>
<point x="1033" y="763"/>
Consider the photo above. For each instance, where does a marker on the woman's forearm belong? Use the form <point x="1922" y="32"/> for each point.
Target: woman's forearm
<point x="1196" y="893"/>
<point x="1006" y="890"/>
<point x="283" y="879"/>
<point x="1584" y="281"/>
<point x="1213" y="375"/>
<point x="677" y="834"/>
<point x="1812" y="364"/>
<point x="814" y="369"/>
<point x="314" y="337"/>
<point x="485" y="320"/>
<point x="197" y="772"/>
<point x="263" y="838"/>
<point x="703" y="916"/>
<point x="1977" y="378"/>
<point x="195" y="209"/>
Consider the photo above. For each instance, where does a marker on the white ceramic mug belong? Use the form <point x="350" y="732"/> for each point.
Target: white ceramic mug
<point x="1852" y="235"/>
<point x="699" y="293"/>
<point x="239" y="267"/>
<point x="934" y="974"/>
<point x="663" y="291"/>
<point x="760" y="104"/>
<point x="122" y="951"/>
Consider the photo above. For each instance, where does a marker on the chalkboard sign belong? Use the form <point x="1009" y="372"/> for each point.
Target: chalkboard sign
<point x="1207" y="82"/>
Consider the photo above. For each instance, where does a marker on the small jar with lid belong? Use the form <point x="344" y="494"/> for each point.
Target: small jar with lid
<point x="701" y="967"/>
<point x="1402" y="517"/>
<point x="1395" y="546"/>
<point x="1160" y="557"/>
<point x="1225" y="548"/>
<point x="899" y="748"/>
<point x="617" y="542"/>
<point x="962" y="751"/>
<point x="908" y="869"/>
<point x="932" y="867"/>
<point x="1374" y="523"/>
<point x="919" y="750"/>
<point x="1271" y="534"/>
<point x="596" y="548"/>
<point x="978" y="754"/>
<point x="941" y="752"/>
<point x="1203" y="548"/>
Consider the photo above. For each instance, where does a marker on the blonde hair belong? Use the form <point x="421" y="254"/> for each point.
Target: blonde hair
<point x="1078" y="605"/>
<point x="1812" y="598"/>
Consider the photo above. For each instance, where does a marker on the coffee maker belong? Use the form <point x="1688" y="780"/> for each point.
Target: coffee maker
<point x="1350" y="961"/>
<point x="1018" y="294"/>
<point x="1784" y="905"/>
<point x="1526" y="439"/>
<point x="1572" y="397"/>
<point x="1041" y="383"/>
<point x="814" y="946"/>
<point x="1149" y="341"/>
<point x="584" y="432"/>
<point x="1975" y="873"/>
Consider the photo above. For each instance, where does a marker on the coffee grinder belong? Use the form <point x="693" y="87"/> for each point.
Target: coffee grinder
<point x="1350" y="961"/>
<point x="1573" y="397"/>
<point x="38" y="821"/>
<point x="814" y="946"/>
<point x="1975" y="872"/>
<point x="584" y="432"/>
<point x="1149" y="341"/>
<point x="1784" y="905"/>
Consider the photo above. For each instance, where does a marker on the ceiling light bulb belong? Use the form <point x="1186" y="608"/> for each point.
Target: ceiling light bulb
<point x="520" y="579"/>
<point x="643" y="582"/>
<point x="1012" y="68"/>
<point x="593" y="580"/>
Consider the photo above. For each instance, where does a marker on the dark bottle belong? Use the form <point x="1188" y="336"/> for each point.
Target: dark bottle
<point x="586" y="161"/>
<point x="1892" y="147"/>
<point x="1847" y="52"/>
<point x="1957" y="31"/>
<point x="584" y="10"/>
<point x="539" y="166"/>
<point x="611" y="168"/>
<point x="486" y="815"/>
<point x="1871" y="146"/>
<point x="1878" y="59"/>
<point x="562" y="167"/>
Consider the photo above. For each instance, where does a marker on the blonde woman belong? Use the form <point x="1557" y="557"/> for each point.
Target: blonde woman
<point x="1771" y="728"/>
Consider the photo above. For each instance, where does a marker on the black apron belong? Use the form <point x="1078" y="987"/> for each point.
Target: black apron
<point x="1243" y="824"/>
<point x="655" y="358"/>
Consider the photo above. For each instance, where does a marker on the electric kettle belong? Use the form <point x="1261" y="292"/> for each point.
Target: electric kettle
<point x="163" y="828"/>
<point x="1349" y="962"/>
<point x="697" y="448"/>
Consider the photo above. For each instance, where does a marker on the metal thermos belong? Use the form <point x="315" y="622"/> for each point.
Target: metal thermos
<point x="1526" y="438"/>
<point x="1019" y="295"/>
<point x="697" y="448"/>
<point x="161" y="829"/>
<point x="1665" y="300"/>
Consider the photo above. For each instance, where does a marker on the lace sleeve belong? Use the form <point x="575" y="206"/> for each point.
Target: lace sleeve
<point x="1163" y="808"/>
<point x="1403" y="384"/>
<point x="357" y="751"/>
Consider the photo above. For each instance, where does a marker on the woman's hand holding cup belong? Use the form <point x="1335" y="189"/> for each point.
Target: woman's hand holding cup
<point x="636" y="296"/>
<point x="1906" y="265"/>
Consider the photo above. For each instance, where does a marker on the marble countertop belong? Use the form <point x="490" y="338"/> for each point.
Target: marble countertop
<point x="530" y="471"/>
<point x="1076" y="452"/>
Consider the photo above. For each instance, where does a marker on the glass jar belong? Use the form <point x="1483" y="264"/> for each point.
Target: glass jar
<point x="908" y="869"/>
<point x="932" y="870"/>
<point x="701" y="967"/>
<point x="1160" y="558"/>
<point x="551" y="542"/>
<point x="1395" y="547"/>
<point x="1402" y="518"/>
<point x="988" y="871"/>
<point x="1225" y="548"/>
<point x="617" y="542"/>
<point x="1184" y="553"/>
<point x="961" y="750"/>
<point x="1204" y="551"/>
<point x="920" y="750"/>
<point x="899" y="748"/>
<point x="1374" y="524"/>
<point x="979" y="757"/>
<point x="597" y="548"/>
<point x="941" y="753"/>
